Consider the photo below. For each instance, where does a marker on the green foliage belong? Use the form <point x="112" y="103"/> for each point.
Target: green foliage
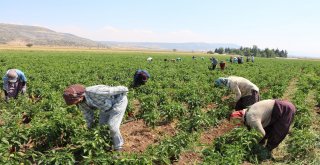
<point x="180" y="92"/>
<point x="232" y="148"/>
<point x="301" y="142"/>
<point x="169" y="149"/>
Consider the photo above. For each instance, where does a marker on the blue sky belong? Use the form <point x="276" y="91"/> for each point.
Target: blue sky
<point x="293" y="25"/>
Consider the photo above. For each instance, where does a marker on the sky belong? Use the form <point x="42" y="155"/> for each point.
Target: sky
<point x="293" y="25"/>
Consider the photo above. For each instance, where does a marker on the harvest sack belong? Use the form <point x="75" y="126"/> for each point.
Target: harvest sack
<point x="73" y="94"/>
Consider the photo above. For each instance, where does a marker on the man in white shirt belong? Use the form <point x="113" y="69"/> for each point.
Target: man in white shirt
<point x="247" y="93"/>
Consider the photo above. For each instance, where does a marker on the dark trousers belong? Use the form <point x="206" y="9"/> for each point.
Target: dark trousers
<point x="213" y="67"/>
<point x="281" y="119"/>
<point x="246" y="101"/>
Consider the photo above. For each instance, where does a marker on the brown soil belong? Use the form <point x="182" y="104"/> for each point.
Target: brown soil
<point x="138" y="136"/>
<point x="208" y="136"/>
<point x="136" y="108"/>
<point x="189" y="157"/>
<point x="264" y="90"/>
<point x="226" y="97"/>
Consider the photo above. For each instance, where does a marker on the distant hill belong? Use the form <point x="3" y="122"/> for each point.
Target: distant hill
<point x="189" y="46"/>
<point x="22" y="35"/>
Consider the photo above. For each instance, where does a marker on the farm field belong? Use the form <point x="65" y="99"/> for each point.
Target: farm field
<point x="178" y="117"/>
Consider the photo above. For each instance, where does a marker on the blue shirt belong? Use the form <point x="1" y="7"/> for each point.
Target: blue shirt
<point x="21" y="78"/>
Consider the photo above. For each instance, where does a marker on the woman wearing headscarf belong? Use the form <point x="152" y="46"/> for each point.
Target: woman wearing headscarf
<point x="246" y="92"/>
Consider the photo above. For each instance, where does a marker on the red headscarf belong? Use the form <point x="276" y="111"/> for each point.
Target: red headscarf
<point x="237" y="114"/>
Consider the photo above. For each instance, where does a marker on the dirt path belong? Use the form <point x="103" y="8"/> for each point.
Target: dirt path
<point x="138" y="136"/>
<point x="291" y="89"/>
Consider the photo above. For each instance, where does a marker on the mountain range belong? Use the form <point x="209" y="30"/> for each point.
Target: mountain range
<point x="11" y="34"/>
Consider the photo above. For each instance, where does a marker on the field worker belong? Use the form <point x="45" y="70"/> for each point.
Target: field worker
<point x="272" y="118"/>
<point x="235" y="60"/>
<point x="214" y="62"/>
<point x="240" y="60"/>
<point x="140" y="77"/>
<point x="149" y="59"/>
<point x="14" y="82"/>
<point x="231" y="59"/>
<point x="222" y="65"/>
<point x="111" y="101"/>
<point x="252" y="58"/>
<point x="247" y="93"/>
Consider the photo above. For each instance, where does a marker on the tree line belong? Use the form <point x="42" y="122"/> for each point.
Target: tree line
<point x="254" y="51"/>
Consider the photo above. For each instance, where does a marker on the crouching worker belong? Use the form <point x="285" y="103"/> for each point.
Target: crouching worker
<point x="214" y="63"/>
<point x="140" y="78"/>
<point x="272" y="118"/>
<point x="247" y="93"/>
<point x="111" y="101"/>
<point x="14" y="82"/>
<point x="222" y="65"/>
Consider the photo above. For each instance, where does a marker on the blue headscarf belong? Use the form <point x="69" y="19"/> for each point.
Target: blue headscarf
<point x="221" y="81"/>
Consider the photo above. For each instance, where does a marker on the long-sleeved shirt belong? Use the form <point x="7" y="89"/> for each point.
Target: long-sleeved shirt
<point x="258" y="116"/>
<point x="100" y="97"/>
<point x="241" y="86"/>
<point x="21" y="78"/>
<point x="214" y="61"/>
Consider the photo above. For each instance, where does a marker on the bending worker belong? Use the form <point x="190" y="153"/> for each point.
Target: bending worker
<point x="111" y="101"/>
<point x="272" y="118"/>
<point x="140" y="77"/>
<point x="247" y="93"/>
<point x="14" y="82"/>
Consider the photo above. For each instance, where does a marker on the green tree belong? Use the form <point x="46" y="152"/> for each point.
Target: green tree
<point x="255" y="51"/>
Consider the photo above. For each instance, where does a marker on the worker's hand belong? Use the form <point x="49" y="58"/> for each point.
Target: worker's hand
<point x="23" y="90"/>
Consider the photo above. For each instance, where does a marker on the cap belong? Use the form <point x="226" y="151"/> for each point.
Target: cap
<point x="12" y="75"/>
